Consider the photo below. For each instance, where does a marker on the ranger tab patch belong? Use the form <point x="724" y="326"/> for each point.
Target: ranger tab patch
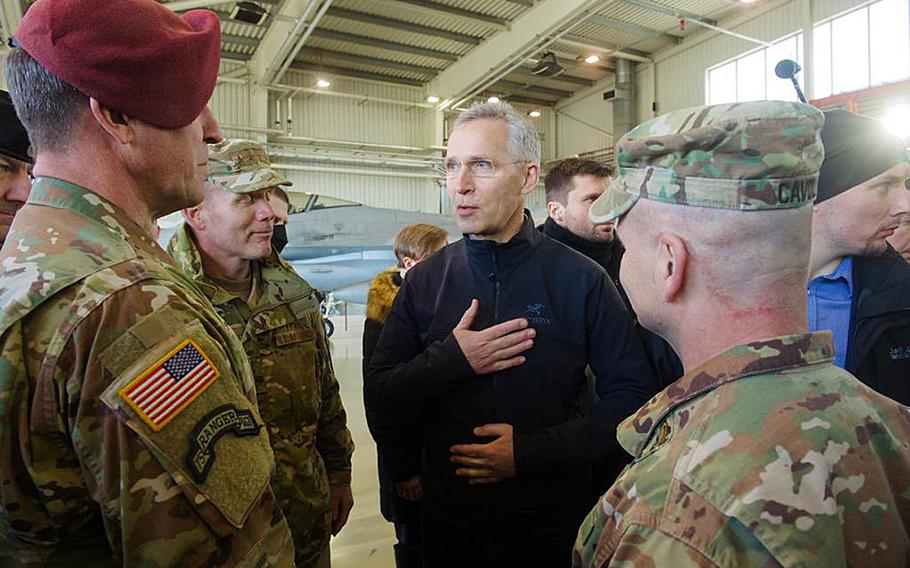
<point x="211" y="427"/>
<point x="168" y="386"/>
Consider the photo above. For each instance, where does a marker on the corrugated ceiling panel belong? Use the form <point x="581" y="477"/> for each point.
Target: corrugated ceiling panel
<point x="329" y="117"/>
<point x="681" y="78"/>
<point x="495" y="8"/>
<point x="353" y="86"/>
<point x="238" y="29"/>
<point x="824" y="9"/>
<point x="401" y="36"/>
<point x="318" y="59"/>
<point x="597" y="33"/>
<point x="584" y="126"/>
<point x="419" y="17"/>
<point x="713" y="9"/>
<point x="375" y="53"/>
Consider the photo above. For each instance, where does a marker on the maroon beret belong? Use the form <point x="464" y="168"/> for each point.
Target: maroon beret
<point x="134" y="56"/>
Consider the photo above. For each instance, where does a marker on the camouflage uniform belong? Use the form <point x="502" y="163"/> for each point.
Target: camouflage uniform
<point x="93" y="311"/>
<point x="765" y="455"/>
<point x="284" y="337"/>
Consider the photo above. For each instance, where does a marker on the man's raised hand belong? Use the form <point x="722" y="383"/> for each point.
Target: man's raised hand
<point x="496" y="348"/>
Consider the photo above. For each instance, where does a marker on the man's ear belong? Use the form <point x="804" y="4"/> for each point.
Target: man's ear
<point x="195" y="216"/>
<point x="117" y="126"/>
<point x="532" y="176"/>
<point x="408" y="262"/>
<point x="672" y="263"/>
<point x="556" y="211"/>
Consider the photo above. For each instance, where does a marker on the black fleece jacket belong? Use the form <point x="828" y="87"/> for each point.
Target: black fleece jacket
<point x="419" y="378"/>
<point x="878" y="352"/>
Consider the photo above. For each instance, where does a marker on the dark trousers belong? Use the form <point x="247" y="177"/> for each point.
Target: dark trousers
<point x="491" y="544"/>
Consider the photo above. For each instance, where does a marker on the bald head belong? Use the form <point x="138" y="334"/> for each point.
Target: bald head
<point x="688" y="264"/>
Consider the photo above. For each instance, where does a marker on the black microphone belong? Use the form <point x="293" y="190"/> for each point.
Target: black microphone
<point x="787" y="69"/>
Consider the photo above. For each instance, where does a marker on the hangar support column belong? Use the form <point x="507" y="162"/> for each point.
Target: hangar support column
<point x="624" y="100"/>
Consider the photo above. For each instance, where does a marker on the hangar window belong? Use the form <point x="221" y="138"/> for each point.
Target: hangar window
<point x="751" y="77"/>
<point x="870" y="46"/>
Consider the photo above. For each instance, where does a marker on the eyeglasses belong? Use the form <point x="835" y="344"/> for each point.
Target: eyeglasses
<point x="479" y="168"/>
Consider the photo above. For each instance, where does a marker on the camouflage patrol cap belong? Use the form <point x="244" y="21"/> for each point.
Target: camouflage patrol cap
<point x="744" y="156"/>
<point x="242" y="166"/>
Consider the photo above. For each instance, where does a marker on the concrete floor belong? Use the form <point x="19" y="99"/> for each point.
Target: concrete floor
<point x="366" y="541"/>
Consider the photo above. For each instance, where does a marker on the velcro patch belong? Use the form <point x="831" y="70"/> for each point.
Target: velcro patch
<point x="293" y="336"/>
<point x="170" y="384"/>
<point x="210" y="428"/>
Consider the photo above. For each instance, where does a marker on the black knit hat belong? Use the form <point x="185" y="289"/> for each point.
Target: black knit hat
<point x="857" y="148"/>
<point x="13" y="137"/>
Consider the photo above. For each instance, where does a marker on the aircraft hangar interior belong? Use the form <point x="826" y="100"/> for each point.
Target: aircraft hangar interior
<point x="354" y="102"/>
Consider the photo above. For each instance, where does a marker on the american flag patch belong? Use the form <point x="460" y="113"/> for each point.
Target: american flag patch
<point x="168" y="386"/>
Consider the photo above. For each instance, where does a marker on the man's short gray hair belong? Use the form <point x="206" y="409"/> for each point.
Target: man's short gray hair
<point x="524" y="141"/>
<point x="49" y="108"/>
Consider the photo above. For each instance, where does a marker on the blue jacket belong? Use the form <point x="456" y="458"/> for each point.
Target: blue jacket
<point x="421" y="392"/>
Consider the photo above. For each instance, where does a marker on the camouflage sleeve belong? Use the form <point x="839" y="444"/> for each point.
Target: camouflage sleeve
<point x="642" y="545"/>
<point x="159" y="509"/>
<point x="333" y="439"/>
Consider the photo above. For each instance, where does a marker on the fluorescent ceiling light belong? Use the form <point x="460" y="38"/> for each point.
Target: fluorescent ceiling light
<point x="322" y="83"/>
<point x="534" y="113"/>
<point x="493" y="99"/>
<point x="432" y="99"/>
<point x="592" y="59"/>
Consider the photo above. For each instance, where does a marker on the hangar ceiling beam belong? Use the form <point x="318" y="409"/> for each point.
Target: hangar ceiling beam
<point x="282" y="37"/>
<point x="531" y="31"/>
<point x="401" y="25"/>
<point x="382" y="44"/>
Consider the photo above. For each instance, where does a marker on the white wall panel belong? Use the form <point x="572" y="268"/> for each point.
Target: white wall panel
<point x="824" y="9"/>
<point x="412" y="194"/>
<point x="231" y="102"/>
<point x="681" y="76"/>
<point x="362" y="120"/>
<point x="644" y="92"/>
<point x="585" y="125"/>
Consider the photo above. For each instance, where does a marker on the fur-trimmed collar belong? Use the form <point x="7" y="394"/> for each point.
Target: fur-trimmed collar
<point x="383" y="290"/>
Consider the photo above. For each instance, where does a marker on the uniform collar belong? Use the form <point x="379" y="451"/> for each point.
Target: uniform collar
<point x="844" y="271"/>
<point x="756" y="358"/>
<point x="60" y="194"/>
<point x="270" y="274"/>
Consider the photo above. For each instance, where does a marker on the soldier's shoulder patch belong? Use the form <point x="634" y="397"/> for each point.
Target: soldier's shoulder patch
<point x="227" y="418"/>
<point x="165" y="388"/>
